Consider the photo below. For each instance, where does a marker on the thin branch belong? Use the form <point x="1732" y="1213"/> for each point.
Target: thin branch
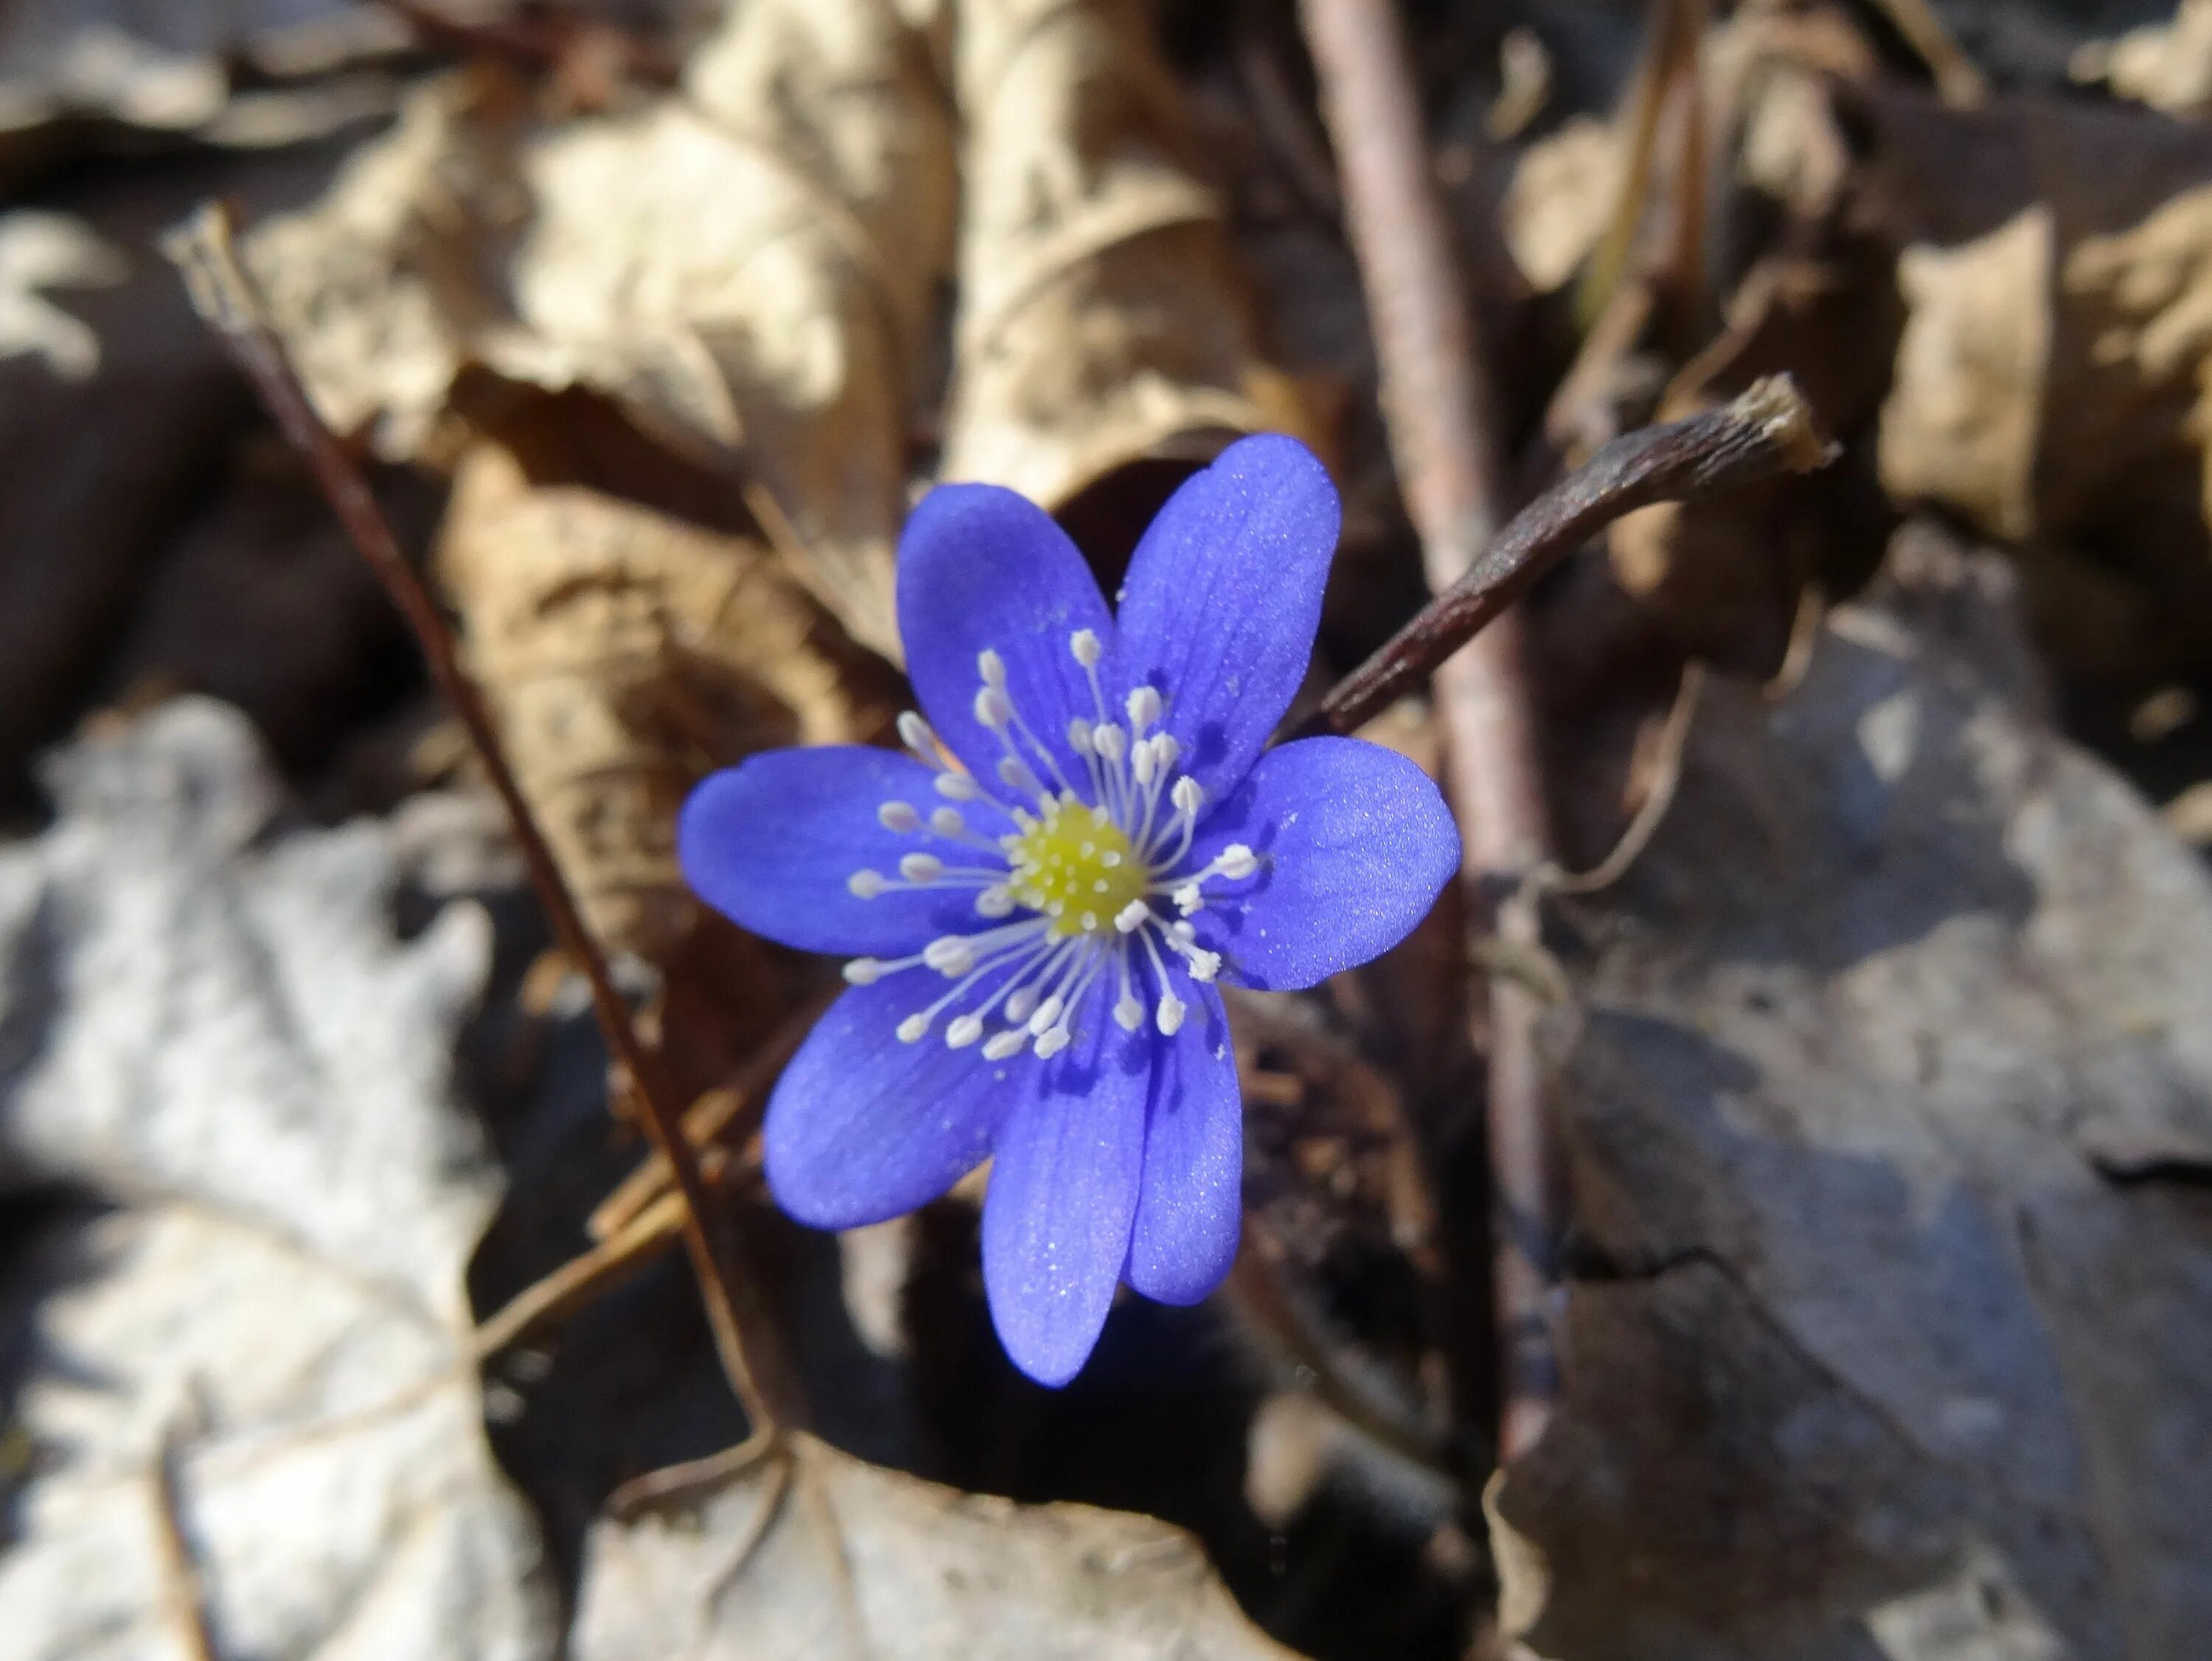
<point x="183" y="1592"/>
<point x="1674" y="740"/>
<point x="1765" y="431"/>
<point x="584" y="1278"/>
<point x="1436" y="403"/>
<point x="226" y="297"/>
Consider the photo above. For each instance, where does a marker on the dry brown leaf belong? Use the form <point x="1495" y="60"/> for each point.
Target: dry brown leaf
<point x="626" y="651"/>
<point x="1103" y="319"/>
<point x="748" y="270"/>
<point x="1889" y="1324"/>
<point x="820" y="1557"/>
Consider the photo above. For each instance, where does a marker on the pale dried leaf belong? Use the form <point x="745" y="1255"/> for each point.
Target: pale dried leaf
<point x="820" y="1557"/>
<point x="2168" y="66"/>
<point x="213" y="1028"/>
<point x="1963" y="421"/>
<point x="1104" y="318"/>
<point x="1860" y="1034"/>
<point x="1560" y="200"/>
<point x="626" y="651"/>
<point x="46" y="250"/>
<point x="749" y="269"/>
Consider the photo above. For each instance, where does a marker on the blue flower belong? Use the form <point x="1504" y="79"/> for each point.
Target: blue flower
<point x="1038" y="897"/>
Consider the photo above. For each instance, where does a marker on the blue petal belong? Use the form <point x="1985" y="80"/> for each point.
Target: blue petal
<point x="1190" y="1207"/>
<point x="863" y="1127"/>
<point x="1223" y="597"/>
<point x="771" y="842"/>
<point x="1355" y="844"/>
<point x="1063" y="1195"/>
<point x="981" y="566"/>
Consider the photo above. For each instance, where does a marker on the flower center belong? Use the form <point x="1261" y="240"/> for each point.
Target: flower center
<point x="1105" y="881"/>
<point x="1078" y="867"/>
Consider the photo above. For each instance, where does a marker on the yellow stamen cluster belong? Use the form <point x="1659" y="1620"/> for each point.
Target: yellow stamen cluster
<point x="1077" y="866"/>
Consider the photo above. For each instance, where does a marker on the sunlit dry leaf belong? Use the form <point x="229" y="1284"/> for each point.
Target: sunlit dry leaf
<point x="73" y="68"/>
<point x="2168" y="66"/>
<point x="748" y="269"/>
<point x="820" y="1557"/>
<point x="213" y="1030"/>
<point x="40" y="252"/>
<point x="1963" y="418"/>
<point x="1561" y="196"/>
<point x="1103" y="317"/>
<point x="626" y="653"/>
<point x="1868" y="1353"/>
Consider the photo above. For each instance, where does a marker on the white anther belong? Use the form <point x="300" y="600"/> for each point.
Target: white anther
<point x="996" y="900"/>
<point x="1109" y="858"/>
<point x="963" y="1031"/>
<point x="1084" y="645"/>
<point x="1047" y="1013"/>
<point x="1129" y="1012"/>
<point x="949" y="955"/>
<point x="1014" y="773"/>
<point x="1110" y="742"/>
<point x="864" y="885"/>
<point x="911" y="1030"/>
<point x="921" y="867"/>
<point x="1236" y="862"/>
<point x="1132" y="917"/>
<point x="991" y="667"/>
<point x="1203" y="965"/>
<point x="863" y="972"/>
<point x="1144" y="707"/>
<point x="1169" y="1016"/>
<point x="957" y="787"/>
<point x="1023" y="1000"/>
<point x="1050" y="1044"/>
<point x="913" y="732"/>
<point x="947" y="821"/>
<point x="899" y="816"/>
<point x="1187" y="899"/>
<point x="1078" y="735"/>
<point x="1143" y="763"/>
<point x="1186" y="794"/>
<point x="992" y="709"/>
<point x="1181" y="933"/>
<point x="1011" y="1042"/>
<point x="1170" y="751"/>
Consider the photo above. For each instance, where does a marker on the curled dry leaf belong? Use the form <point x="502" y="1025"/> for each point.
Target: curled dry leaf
<point x="627" y="652"/>
<point x="1104" y="318"/>
<point x="1872" y="1041"/>
<point x="814" y="1555"/>
<point x="747" y="270"/>
<point x="212" y="1029"/>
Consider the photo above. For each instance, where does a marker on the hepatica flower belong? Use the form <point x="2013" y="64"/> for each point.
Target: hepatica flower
<point x="1038" y="900"/>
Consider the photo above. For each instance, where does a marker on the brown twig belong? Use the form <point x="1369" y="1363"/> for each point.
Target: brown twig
<point x="226" y="297"/>
<point x="1674" y="742"/>
<point x="588" y="1276"/>
<point x="184" y="1595"/>
<point x="730" y="1113"/>
<point x="1437" y="407"/>
<point x="1767" y="430"/>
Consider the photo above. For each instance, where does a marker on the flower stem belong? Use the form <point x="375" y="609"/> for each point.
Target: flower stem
<point x="745" y="1335"/>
